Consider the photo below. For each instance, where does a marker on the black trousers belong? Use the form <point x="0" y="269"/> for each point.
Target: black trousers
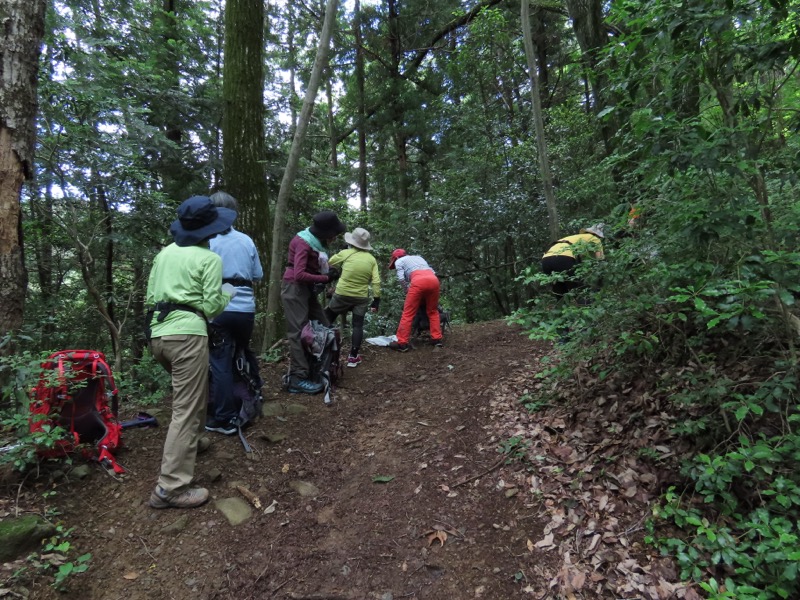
<point x="562" y="264"/>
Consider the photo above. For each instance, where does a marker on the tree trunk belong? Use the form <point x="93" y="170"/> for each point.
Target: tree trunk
<point x="587" y="22"/>
<point x="41" y="212"/>
<point x="216" y="177"/>
<point x="20" y="47"/>
<point x="397" y="110"/>
<point x="289" y="175"/>
<point x="361" y="117"/>
<point x="291" y="50"/>
<point x="171" y="164"/>
<point x="331" y="123"/>
<point x="244" y="149"/>
<point x="85" y="262"/>
<point x="98" y="194"/>
<point x="538" y="122"/>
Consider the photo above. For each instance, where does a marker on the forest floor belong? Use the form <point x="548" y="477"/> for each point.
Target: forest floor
<point x="436" y="474"/>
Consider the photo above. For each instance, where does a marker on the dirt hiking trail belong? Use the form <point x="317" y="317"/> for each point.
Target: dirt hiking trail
<point x="398" y="490"/>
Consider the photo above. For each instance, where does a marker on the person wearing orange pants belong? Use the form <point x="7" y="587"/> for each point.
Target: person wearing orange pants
<point x="422" y="286"/>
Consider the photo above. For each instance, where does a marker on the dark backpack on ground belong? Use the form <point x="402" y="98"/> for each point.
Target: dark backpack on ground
<point x="76" y="391"/>
<point x="421" y="324"/>
<point x="322" y="346"/>
<point x="246" y="392"/>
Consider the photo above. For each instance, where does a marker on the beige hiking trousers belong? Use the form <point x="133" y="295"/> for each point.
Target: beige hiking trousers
<point x="185" y="357"/>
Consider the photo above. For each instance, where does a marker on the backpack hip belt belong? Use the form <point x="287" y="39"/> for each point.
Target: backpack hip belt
<point x="238" y="281"/>
<point x="163" y="309"/>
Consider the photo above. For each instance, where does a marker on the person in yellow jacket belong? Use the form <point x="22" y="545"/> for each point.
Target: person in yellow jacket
<point x="359" y="273"/>
<point x="566" y="253"/>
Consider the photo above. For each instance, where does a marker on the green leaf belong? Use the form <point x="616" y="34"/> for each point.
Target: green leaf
<point x="607" y="110"/>
<point x="701" y="305"/>
<point x="382" y="478"/>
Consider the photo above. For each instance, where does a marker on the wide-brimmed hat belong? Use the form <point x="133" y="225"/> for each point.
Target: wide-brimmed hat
<point x="198" y="219"/>
<point x="358" y="238"/>
<point x="326" y="225"/>
<point x="596" y="229"/>
<point x="395" y="255"/>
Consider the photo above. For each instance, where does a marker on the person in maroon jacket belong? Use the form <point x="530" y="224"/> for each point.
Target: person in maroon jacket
<point x="307" y="265"/>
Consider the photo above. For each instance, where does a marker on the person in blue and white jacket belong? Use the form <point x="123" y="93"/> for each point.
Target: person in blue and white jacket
<point x="233" y="328"/>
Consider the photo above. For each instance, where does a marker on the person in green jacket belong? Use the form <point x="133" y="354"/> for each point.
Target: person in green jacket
<point x="359" y="272"/>
<point x="184" y="292"/>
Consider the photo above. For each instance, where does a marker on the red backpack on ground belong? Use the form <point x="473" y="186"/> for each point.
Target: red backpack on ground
<point x="77" y="391"/>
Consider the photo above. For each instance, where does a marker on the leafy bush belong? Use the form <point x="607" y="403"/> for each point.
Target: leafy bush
<point x="146" y="383"/>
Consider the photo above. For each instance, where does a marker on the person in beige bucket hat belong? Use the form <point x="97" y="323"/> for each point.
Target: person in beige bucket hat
<point x="359" y="274"/>
<point x="359" y="238"/>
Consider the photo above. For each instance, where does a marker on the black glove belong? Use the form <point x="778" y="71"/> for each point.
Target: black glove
<point x="376" y="303"/>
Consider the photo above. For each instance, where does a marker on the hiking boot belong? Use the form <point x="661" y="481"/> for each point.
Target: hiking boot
<point x="437" y="343"/>
<point x="223" y="428"/>
<point x="304" y="386"/>
<point x="354" y="361"/>
<point x="191" y="498"/>
<point x="399" y="347"/>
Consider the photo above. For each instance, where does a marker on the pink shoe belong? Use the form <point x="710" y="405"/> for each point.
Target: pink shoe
<point x="354" y="361"/>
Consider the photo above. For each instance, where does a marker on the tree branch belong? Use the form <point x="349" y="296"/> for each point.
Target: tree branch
<point x="420" y="55"/>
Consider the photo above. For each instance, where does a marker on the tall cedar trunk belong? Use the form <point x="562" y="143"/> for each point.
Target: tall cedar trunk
<point x="244" y="150"/>
<point x="289" y="175"/>
<point x="20" y="47"/>
<point x="361" y="117"/>
<point x="538" y="122"/>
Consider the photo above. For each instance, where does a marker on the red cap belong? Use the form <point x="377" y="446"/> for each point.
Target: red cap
<point x="395" y="255"/>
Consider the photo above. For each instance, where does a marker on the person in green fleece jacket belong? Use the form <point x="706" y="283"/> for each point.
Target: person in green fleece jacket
<point x="359" y="271"/>
<point x="184" y="291"/>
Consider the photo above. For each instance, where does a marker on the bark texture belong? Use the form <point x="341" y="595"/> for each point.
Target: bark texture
<point x="244" y="151"/>
<point x="20" y="47"/>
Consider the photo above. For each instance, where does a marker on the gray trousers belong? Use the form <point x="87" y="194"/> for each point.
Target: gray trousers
<point x="300" y="305"/>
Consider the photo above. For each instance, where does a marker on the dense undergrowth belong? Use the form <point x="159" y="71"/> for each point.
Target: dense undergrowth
<point x="711" y="337"/>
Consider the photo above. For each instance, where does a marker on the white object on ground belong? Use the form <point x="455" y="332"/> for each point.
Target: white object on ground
<point x="381" y="340"/>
